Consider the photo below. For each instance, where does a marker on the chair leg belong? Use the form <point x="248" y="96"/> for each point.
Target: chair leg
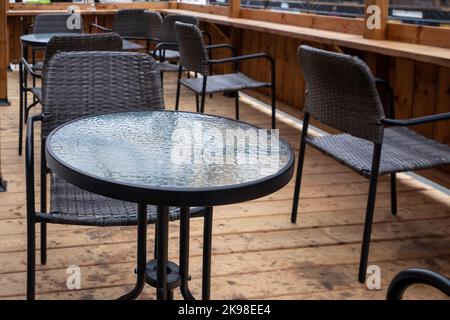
<point x="31" y="260"/>
<point x="43" y="243"/>
<point x="298" y="179"/>
<point x="197" y="103"/>
<point x="369" y="213"/>
<point x="21" y="93"/>
<point x="393" y="194"/>
<point x="177" y="99"/>
<point x="237" y="105"/>
<point x="207" y="240"/>
<point x="202" y="107"/>
<point x="43" y="178"/>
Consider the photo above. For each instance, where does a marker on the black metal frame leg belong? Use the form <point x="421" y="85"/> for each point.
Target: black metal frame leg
<point x="141" y="254"/>
<point x="301" y="158"/>
<point x="369" y="213"/>
<point x="184" y="253"/>
<point x="394" y="194"/>
<point x="207" y="248"/>
<point x="162" y="256"/>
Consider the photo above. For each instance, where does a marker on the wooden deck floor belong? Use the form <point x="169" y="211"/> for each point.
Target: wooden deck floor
<point x="257" y="252"/>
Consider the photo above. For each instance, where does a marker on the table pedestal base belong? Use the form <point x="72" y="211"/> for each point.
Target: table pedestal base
<point x="173" y="274"/>
<point x="161" y="273"/>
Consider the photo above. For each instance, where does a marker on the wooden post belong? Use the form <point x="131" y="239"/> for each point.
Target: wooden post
<point x="3" y="70"/>
<point x="3" y="54"/>
<point x="375" y="20"/>
<point x="234" y="8"/>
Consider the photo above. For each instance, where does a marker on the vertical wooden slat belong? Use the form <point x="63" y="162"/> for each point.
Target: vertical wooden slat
<point x="234" y="8"/>
<point x="424" y="95"/>
<point x="442" y="128"/>
<point x="3" y="53"/>
<point x="403" y="87"/>
<point x="3" y="70"/>
<point x="378" y="33"/>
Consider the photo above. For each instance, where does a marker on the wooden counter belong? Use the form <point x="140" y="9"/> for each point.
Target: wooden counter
<point x="434" y="55"/>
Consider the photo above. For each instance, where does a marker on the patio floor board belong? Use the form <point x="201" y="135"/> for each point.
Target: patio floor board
<point x="257" y="252"/>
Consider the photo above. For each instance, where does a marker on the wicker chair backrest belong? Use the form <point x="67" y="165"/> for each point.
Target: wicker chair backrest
<point x="132" y="23"/>
<point x="78" y="84"/>
<point x="55" y="23"/>
<point x="341" y="92"/>
<point x="82" y="42"/>
<point x="167" y="33"/>
<point x="193" y="55"/>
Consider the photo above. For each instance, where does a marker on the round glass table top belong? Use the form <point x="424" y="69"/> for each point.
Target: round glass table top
<point x="42" y="39"/>
<point x="171" y="151"/>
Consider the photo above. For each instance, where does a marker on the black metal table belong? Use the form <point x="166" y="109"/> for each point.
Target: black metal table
<point x="42" y="39"/>
<point x="168" y="158"/>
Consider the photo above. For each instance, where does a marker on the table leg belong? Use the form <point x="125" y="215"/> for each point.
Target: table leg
<point x="25" y="82"/>
<point x="207" y="239"/>
<point x="163" y="246"/>
<point x="184" y="253"/>
<point x="141" y="254"/>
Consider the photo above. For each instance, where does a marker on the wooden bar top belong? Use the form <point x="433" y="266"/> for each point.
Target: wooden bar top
<point x="23" y="13"/>
<point x="434" y="55"/>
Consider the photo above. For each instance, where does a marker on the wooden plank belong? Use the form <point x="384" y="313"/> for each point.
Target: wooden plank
<point x="424" y="95"/>
<point x="234" y="8"/>
<point x="3" y="53"/>
<point x="375" y="10"/>
<point x="430" y="54"/>
<point x="403" y="85"/>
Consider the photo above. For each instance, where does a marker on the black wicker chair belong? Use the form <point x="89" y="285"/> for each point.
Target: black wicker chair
<point x="406" y="278"/>
<point x="134" y="24"/>
<point x="63" y="43"/>
<point x="341" y="92"/>
<point x="133" y="84"/>
<point x="51" y="23"/>
<point x="194" y="57"/>
<point x="166" y="50"/>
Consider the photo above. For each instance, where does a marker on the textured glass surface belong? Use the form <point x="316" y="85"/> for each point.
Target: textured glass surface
<point x="169" y="149"/>
<point x="41" y="38"/>
<point x="44" y="38"/>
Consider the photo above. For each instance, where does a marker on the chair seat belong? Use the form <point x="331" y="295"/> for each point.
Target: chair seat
<point x="402" y="150"/>
<point x="167" y="67"/>
<point x="168" y="55"/>
<point x="72" y="205"/>
<point x="37" y="93"/>
<point x="38" y="66"/>
<point x="224" y="82"/>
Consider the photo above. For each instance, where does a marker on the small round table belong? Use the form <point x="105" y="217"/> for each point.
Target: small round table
<point x="42" y="39"/>
<point x="169" y="158"/>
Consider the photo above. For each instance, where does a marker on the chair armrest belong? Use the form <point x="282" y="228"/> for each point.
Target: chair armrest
<point x="29" y="69"/>
<point x="390" y="108"/>
<point x="249" y="57"/>
<point x="244" y="57"/>
<point x="98" y="27"/>
<point x="409" y="277"/>
<point x="416" y="121"/>
<point x="222" y="46"/>
<point x="165" y="46"/>
<point x="208" y="35"/>
<point x="29" y="164"/>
